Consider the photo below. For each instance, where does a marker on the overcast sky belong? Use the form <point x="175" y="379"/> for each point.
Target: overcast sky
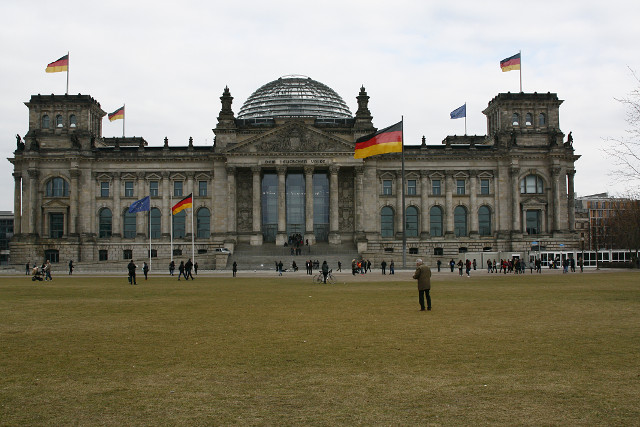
<point x="170" y="61"/>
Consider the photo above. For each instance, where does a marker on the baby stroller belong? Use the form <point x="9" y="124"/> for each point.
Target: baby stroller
<point x="37" y="274"/>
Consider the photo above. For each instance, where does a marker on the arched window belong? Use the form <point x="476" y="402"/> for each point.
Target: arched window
<point x="73" y="121"/>
<point x="129" y="225"/>
<point x="58" y="121"/>
<point x="460" y="221"/>
<point x="204" y="223"/>
<point x="57" y="187"/>
<point x="531" y="184"/>
<point x="542" y="119"/>
<point x="435" y="219"/>
<point x="104" y="223"/>
<point x="515" y="119"/>
<point x="156" y="223"/>
<point x="386" y="222"/>
<point x="411" y="227"/>
<point x="179" y="225"/>
<point x="45" y="122"/>
<point x="484" y="221"/>
<point x="528" y="119"/>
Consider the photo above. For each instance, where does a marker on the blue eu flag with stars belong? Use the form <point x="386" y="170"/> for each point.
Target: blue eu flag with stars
<point x="141" y="205"/>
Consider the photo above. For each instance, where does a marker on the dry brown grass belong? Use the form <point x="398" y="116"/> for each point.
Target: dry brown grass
<point x="531" y="350"/>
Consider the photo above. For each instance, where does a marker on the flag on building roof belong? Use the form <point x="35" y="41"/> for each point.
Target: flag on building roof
<point x="459" y="112"/>
<point x="61" y="64"/>
<point x="387" y="140"/>
<point x="511" y="63"/>
<point x="141" y="205"/>
<point x="185" y="203"/>
<point x="118" y="114"/>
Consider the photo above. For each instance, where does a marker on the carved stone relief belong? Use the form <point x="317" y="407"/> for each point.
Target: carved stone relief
<point x="346" y="214"/>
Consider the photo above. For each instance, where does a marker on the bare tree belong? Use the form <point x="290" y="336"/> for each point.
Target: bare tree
<point x="625" y="151"/>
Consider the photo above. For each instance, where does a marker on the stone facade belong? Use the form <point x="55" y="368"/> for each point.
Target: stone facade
<point x="498" y="192"/>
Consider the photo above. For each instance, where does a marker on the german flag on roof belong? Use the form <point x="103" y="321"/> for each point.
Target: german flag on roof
<point x="387" y="140"/>
<point x="185" y="203"/>
<point x="61" y="64"/>
<point x="118" y="114"/>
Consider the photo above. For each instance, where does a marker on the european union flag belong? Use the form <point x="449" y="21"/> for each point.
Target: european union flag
<point x="459" y="112"/>
<point x="140" y="205"/>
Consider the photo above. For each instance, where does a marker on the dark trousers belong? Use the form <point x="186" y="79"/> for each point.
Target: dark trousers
<point x="421" y="294"/>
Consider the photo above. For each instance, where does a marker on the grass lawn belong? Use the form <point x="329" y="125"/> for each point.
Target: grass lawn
<point x="519" y="350"/>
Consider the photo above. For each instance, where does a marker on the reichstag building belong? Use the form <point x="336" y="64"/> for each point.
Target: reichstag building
<point x="284" y="166"/>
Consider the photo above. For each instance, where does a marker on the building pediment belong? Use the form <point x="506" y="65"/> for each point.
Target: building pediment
<point x="293" y="137"/>
<point x="533" y="201"/>
<point x="55" y="204"/>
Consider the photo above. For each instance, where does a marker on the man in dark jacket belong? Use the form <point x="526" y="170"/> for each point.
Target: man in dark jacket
<point x="187" y="268"/>
<point x="132" y="272"/>
<point x="325" y="271"/>
<point x="423" y="275"/>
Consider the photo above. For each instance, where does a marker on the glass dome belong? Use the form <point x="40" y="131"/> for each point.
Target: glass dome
<point x="294" y="96"/>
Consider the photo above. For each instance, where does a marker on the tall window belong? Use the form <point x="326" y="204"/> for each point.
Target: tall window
<point x="435" y="219"/>
<point x="484" y="221"/>
<point x="73" y="121"/>
<point x="202" y="188"/>
<point x="321" y="206"/>
<point x="460" y="184"/>
<point x="179" y="220"/>
<point x="436" y="189"/>
<point x="531" y="184"/>
<point x="515" y="119"/>
<point x="57" y="187"/>
<point x="156" y="223"/>
<point x="128" y="189"/>
<point x="484" y="186"/>
<point x="103" y="255"/>
<point x="387" y="188"/>
<point x="129" y="225"/>
<point x="386" y="222"/>
<point x="104" y="223"/>
<point x="177" y="188"/>
<point x="153" y="188"/>
<point x="542" y="119"/>
<point x="411" y="187"/>
<point x="528" y="119"/>
<point x="58" y="121"/>
<point x="534" y="222"/>
<point x="411" y="226"/>
<point x="56" y="225"/>
<point x="269" y="206"/>
<point x="204" y="223"/>
<point x="127" y="254"/>
<point x="45" y="122"/>
<point x="52" y="255"/>
<point x="104" y="189"/>
<point x="460" y="221"/>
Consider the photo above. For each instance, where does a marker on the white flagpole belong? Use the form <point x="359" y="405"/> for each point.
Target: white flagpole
<point x="171" y="234"/>
<point x="404" y="228"/>
<point x="193" y="253"/>
<point x="465" y="118"/>
<point x="124" y="117"/>
<point x="68" y="66"/>
<point x="520" y="53"/>
<point x="149" y="237"/>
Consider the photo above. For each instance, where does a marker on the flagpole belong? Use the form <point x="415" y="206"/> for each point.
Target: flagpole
<point x="520" y="53"/>
<point x="465" y="118"/>
<point x="193" y="253"/>
<point x="124" y="115"/>
<point x="149" y="238"/>
<point x="404" y="231"/>
<point x="171" y="234"/>
<point x="68" y="64"/>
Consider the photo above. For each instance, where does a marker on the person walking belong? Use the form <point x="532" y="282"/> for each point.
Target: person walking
<point x="383" y="265"/>
<point x="325" y="271"/>
<point x="181" y="270"/>
<point x="339" y="266"/>
<point x="47" y="271"/>
<point x="423" y="275"/>
<point x="70" y="267"/>
<point x="27" y="269"/>
<point x="234" y="268"/>
<point x="460" y="267"/>
<point x="280" y="268"/>
<point x="131" y="267"/>
<point x="195" y="268"/>
<point x="145" y="270"/>
<point x="392" y="269"/>
<point x="187" y="269"/>
<point x="452" y="264"/>
<point x="439" y="264"/>
<point x="172" y="267"/>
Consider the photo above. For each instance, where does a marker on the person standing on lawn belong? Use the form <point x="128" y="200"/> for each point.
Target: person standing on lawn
<point x="423" y="275"/>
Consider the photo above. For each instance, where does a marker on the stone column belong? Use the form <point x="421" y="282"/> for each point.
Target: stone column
<point x="165" y="226"/>
<point x="308" y="205"/>
<point x="74" y="195"/>
<point x="256" y="239"/>
<point x="516" y="224"/>
<point x="33" y="197"/>
<point x="556" y="174"/>
<point x="17" y="203"/>
<point x="231" y="199"/>
<point x="424" y="204"/>
<point x="399" y="217"/>
<point x="448" y="208"/>
<point x="281" y="237"/>
<point x="473" y="202"/>
<point x="142" y="228"/>
<point x="359" y="200"/>
<point x="571" y="200"/>
<point x="190" y="215"/>
<point x="117" y="211"/>
<point x="334" y="209"/>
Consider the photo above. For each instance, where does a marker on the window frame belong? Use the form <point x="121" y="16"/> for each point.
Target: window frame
<point x="154" y="188"/>
<point x="461" y="187"/>
<point x="436" y="187"/>
<point x="460" y="228"/>
<point x="129" y="189"/>
<point x="412" y="187"/>
<point x="485" y="186"/>
<point x="202" y="184"/>
<point x="387" y="187"/>
<point x="387" y="220"/>
<point x="105" y="188"/>
<point x="436" y="227"/>
<point x="178" y="188"/>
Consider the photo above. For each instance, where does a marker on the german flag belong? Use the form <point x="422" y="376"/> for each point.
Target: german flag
<point x="510" y="63"/>
<point x="185" y="203"/>
<point x="118" y="114"/>
<point x="387" y="140"/>
<point x="61" y="64"/>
